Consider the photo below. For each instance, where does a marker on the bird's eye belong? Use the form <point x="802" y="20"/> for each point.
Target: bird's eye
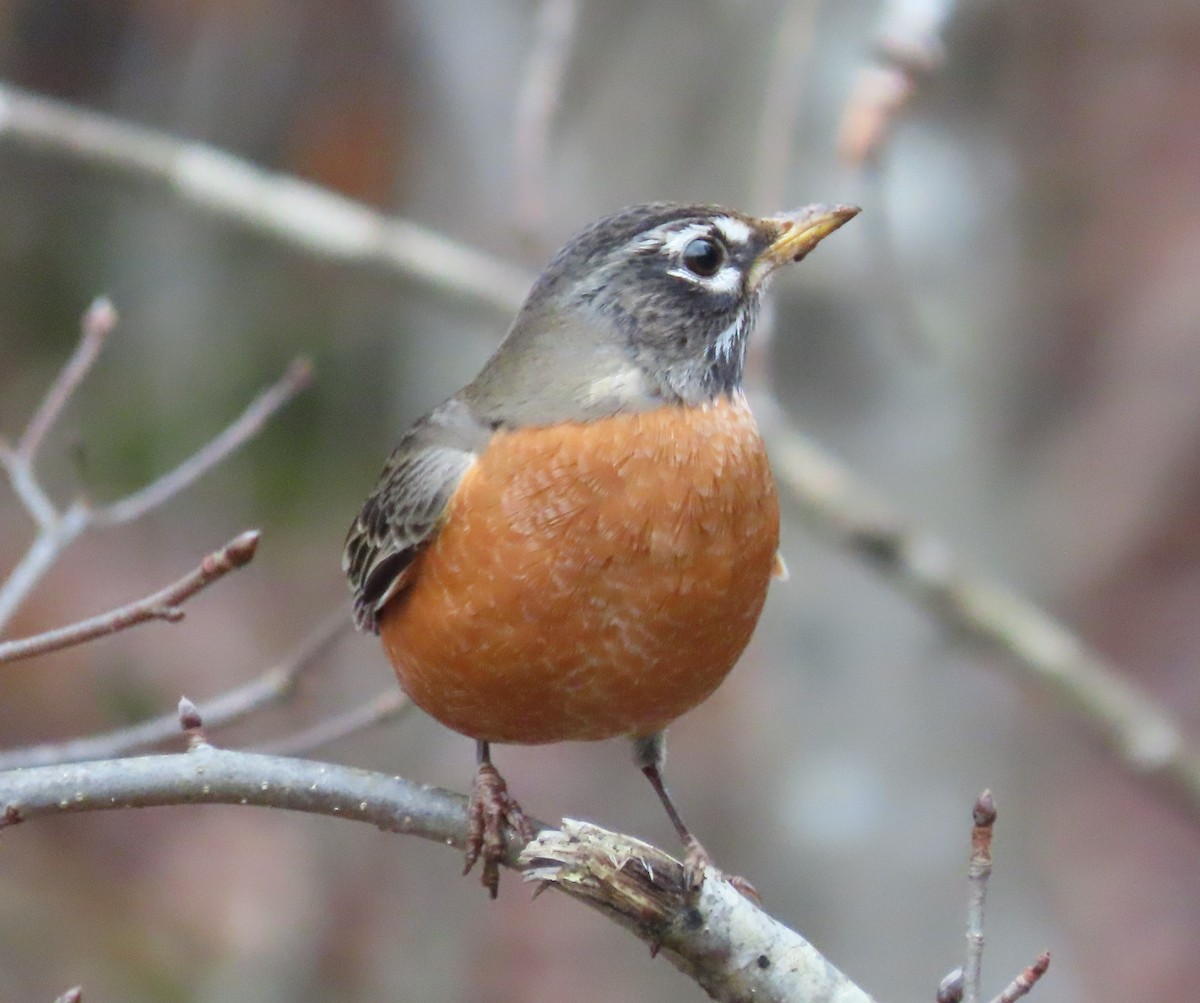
<point x="704" y="257"/>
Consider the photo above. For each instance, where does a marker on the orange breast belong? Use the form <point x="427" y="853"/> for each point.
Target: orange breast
<point x="591" y="580"/>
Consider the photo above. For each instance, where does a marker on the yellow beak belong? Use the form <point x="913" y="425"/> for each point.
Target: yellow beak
<point x="799" y="233"/>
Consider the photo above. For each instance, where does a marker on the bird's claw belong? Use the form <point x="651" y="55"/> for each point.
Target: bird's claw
<point x="489" y="810"/>
<point x="697" y="862"/>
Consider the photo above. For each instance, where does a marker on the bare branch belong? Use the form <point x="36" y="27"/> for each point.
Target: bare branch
<point x="207" y="775"/>
<point x="537" y="103"/>
<point x="733" y="949"/>
<point x="57" y="530"/>
<point x="1144" y="738"/>
<point x="1026" y="980"/>
<point x="978" y="872"/>
<point x="26" y="487"/>
<point x="251" y="421"/>
<point x="273" y="686"/>
<point x="963" y="984"/>
<point x="719" y="938"/>
<point x="389" y="705"/>
<point x="161" y="605"/>
<point x="98" y="323"/>
<point x="40" y="557"/>
<point x="909" y="47"/>
<point x="301" y="215"/>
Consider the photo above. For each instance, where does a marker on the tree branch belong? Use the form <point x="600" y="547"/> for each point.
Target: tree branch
<point x="979" y="872"/>
<point x="161" y="605"/>
<point x="909" y="47"/>
<point x="273" y="686"/>
<point x="57" y="530"/>
<point x="734" y="949"/>
<point x="297" y="377"/>
<point x="98" y="323"/>
<point x="389" y="705"/>
<point x="1024" y="982"/>
<point x="1141" y="734"/>
<point x="207" y="775"/>
<point x="46" y="548"/>
<point x="302" y="215"/>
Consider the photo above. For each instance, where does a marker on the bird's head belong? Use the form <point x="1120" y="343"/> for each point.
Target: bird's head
<point x="653" y="304"/>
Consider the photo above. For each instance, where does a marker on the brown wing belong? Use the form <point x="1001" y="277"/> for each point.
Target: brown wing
<point x="402" y="514"/>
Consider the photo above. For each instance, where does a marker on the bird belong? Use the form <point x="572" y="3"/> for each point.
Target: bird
<point x="578" y="544"/>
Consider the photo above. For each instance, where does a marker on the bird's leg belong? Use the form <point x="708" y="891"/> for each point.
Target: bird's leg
<point x="650" y="752"/>
<point x="489" y="809"/>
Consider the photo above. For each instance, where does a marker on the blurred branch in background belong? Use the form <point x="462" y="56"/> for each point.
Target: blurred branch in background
<point x="1141" y="735"/>
<point x="300" y="214"/>
<point x="247" y="425"/>
<point x="390" y="705"/>
<point x="908" y="48"/>
<point x="58" y="529"/>
<point x="161" y="605"/>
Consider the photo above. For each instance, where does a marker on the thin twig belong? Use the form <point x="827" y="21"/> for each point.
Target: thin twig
<point x="273" y="686"/>
<point x="781" y="103"/>
<point x="161" y="605"/>
<point x="537" y="102"/>
<point x="1143" y="737"/>
<point x="247" y="425"/>
<point x="1026" y="980"/>
<point x="98" y="323"/>
<point x="301" y="215"/>
<point x="26" y="487"/>
<point x="979" y="870"/>
<point x="387" y="706"/>
<point x="719" y="938"/>
<point x="909" y="47"/>
<point x="46" y="548"/>
<point x="57" y="530"/>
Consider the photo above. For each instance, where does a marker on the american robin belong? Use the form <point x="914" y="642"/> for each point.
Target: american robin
<point x="577" y="545"/>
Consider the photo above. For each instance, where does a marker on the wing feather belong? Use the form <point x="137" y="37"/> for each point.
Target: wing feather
<point x="404" y="510"/>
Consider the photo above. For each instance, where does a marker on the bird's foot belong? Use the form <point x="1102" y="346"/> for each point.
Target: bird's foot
<point x="696" y="862"/>
<point x="489" y="809"/>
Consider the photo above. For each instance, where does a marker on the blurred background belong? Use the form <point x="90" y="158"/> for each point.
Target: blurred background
<point x="1006" y="345"/>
